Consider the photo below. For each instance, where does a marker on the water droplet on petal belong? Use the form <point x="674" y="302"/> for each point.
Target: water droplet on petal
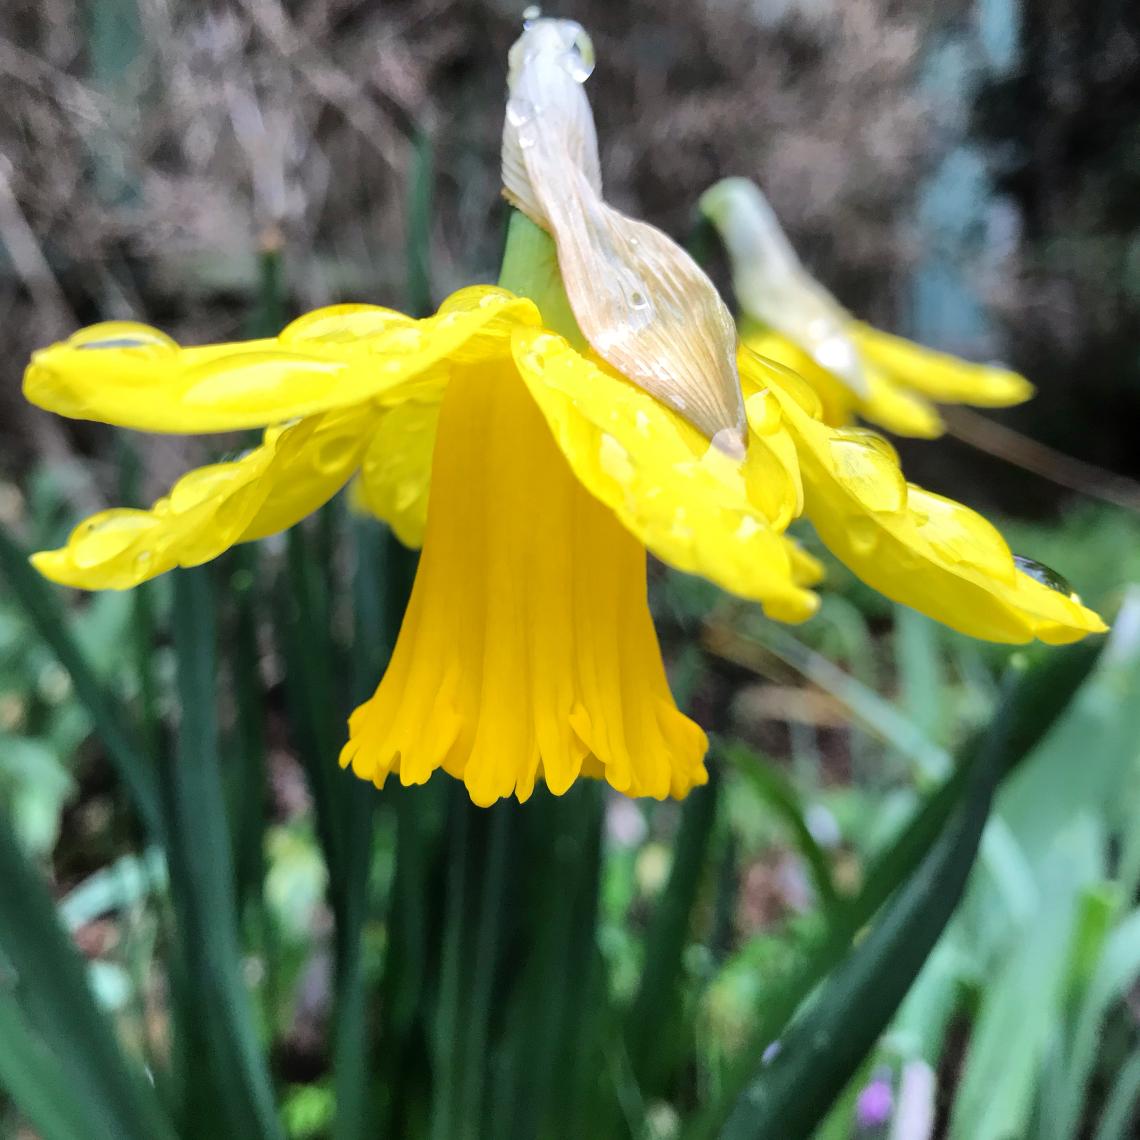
<point x="340" y="324"/>
<point x="103" y="538"/>
<point x="1047" y="576"/>
<point x="117" y="342"/>
<point x="333" y="453"/>
<point x="680" y="527"/>
<point x="868" y="472"/>
<point x="747" y="527"/>
<point x="578" y="59"/>
<point x="408" y="339"/>
<point x="872" y="439"/>
<point x="863" y="535"/>
<point x="615" y="460"/>
<point x="197" y="486"/>
<point x="522" y="114"/>
<point x="122" y="334"/>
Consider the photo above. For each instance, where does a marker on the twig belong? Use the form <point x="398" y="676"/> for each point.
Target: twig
<point x="1075" y="474"/>
<point x="332" y="84"/>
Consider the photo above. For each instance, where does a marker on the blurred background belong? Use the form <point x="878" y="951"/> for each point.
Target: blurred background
<point x="967" y="174"/>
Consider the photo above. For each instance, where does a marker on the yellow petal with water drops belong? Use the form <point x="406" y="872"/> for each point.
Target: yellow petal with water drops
<point x="938" y="375"/>
<point x="137" y="377"/>
<point x="687" y="501"/>
<point x="919" y="548"/>
<point x="396" y="473"/>
<point x="884" y="402"/>
<point x="208" y="510"/>
<point x="837" y="401"/>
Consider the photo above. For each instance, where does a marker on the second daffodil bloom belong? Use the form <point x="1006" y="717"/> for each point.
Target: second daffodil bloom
<point x="787" y="316"/>
<point x="536" y="439"/>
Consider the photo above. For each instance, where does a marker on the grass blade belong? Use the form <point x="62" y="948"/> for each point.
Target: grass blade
<point x="230" y="1084"/>
<point x="1116" y="1122"/>
<point x="50" y="1027"/>
<point x="647" y="1038"/>
<point x="781" y="797"/>
<point x="1029" y="712"/>
<point x="41" y="605"/>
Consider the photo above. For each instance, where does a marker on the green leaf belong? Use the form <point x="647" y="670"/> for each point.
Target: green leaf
<point x="650" y="1030"/>
<point x="60" y="1060"/>
<point x="782" y="797"/>
<point x="1023" y="999"/>
<point x="822" y="1049"/>
<point x="38" y="1083"/>
<point x="1119" y="1117"/>
<point x="41" y="605"/>
<point x="229" y="1082"/>
<point x="1114" y="975"/>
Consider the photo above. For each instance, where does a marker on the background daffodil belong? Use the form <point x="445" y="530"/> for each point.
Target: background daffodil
<point x="856" y="370"/>
<point x="537" y="439"/>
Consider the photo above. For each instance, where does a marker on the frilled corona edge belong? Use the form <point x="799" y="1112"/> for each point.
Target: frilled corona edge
<point x="527" y="651"/>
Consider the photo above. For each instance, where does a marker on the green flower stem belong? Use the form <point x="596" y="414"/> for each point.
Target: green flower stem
<point x="530" y="269"/>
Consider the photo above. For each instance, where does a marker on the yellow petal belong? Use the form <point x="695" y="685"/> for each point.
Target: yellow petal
<point x="892" y="406"/>
<point x="938" y="375"/>
<point x="919" y="548"/>
<point x="396" y="473"/>
<point x="836" y="401"/>
<point x="685" y="500"/>
<point x="136" y="377"/>
<point x="293" y="472"/>
<point x="527" y="651"/>
<point x="884" y="402"/>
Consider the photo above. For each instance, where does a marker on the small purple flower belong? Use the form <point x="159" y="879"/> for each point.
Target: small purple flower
<point x="876" y="1102"/>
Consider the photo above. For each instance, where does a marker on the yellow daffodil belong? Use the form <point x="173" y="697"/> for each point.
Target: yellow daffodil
<point x="536" y="439"/>
<point x="857" y="370"/>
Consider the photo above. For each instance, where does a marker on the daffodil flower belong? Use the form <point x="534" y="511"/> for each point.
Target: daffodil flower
<point x="857" y="370"/>
<point x="536" y="439"/>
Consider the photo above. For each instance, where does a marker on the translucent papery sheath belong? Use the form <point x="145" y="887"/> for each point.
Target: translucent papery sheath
<point x="642" y="303"/>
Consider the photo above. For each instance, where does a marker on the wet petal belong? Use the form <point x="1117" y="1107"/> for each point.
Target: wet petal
<point x="883" y="402"/>
<point x="938" y="375"/>
<point x="919" y="548"/>
<point x="396" y="473"/>
<point x="137" y="377"/>
<point x="208" y="510"/>
<point x="684" y="499"/>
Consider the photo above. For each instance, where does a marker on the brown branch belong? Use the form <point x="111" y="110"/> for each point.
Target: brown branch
<point x="1074" y="474"/>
